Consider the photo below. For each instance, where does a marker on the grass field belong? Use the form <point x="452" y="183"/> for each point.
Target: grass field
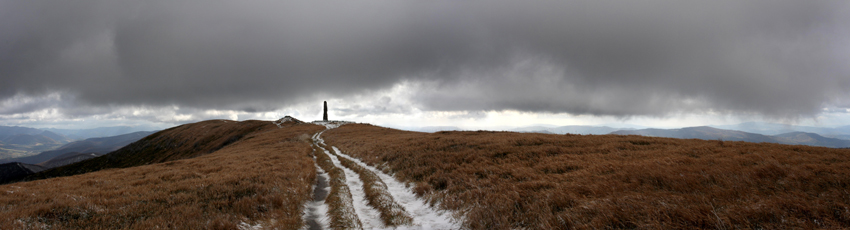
<point x="263" y="178"/>
<point x="227" y="175"/>
<point x="503" y="180"/>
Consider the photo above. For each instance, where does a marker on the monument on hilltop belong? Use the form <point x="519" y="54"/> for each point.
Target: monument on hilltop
<point x="325" y="117"/>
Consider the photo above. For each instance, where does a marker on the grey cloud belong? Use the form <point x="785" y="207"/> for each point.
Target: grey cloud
<point x="583" y="57"/>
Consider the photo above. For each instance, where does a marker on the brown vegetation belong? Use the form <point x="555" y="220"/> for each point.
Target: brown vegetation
<point x="502" y="180"/>
<point x="251" y="172"/>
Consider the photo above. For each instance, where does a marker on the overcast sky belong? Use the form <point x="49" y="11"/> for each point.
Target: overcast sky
<point x="83" y="63"/>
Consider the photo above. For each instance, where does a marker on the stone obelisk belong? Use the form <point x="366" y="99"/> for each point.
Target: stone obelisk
<point x="325" y="117"/>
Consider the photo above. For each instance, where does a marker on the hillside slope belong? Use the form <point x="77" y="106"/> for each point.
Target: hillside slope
<point x="181" y="142"/>
<point x="505" y="180"/>
<point x="215" y="175"/>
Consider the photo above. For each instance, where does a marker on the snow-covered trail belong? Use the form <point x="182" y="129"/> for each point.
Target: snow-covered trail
<point x="424" y="216"/>
<point x="369" y="217"/>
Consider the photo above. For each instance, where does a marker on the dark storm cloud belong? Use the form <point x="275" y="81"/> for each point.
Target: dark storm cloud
<point x="584" y="57"/>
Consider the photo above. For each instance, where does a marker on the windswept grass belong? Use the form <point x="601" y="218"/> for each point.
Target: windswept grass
<point x="263" y="178"/>
<point x="378" y="195"/>
<point x="339" y="201"/>
<point x="504" y="180"/>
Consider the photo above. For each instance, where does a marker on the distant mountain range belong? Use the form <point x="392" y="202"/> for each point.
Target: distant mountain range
<point x="837" y="137"/>
<point x="22" y="141"/>
<point x="710" y="133"/>
<point x="16" y="142"/>
<point x="85" y="148"/>
<point x="573" y="129"/>
<point x="16" y="168"/>
<point x="81" y="134"/>
<point x="842" y="132"/>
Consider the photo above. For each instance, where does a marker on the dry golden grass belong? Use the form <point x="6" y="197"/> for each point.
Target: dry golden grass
<point x="263" y="178"/>
<point x="503" y="180"/>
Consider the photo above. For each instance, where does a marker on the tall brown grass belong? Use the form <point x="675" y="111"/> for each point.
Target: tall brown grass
<point x="264" y="178"/>
<point x="503" y="180"/>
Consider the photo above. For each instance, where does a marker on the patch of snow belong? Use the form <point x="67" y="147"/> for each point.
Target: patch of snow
<point x="424" y="216"/>
<point x="246" y="226"/>
<point x="332" y="124"/>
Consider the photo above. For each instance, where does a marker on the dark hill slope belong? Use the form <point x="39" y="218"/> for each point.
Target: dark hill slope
<point x="15" y="170"/>
<point x="67" y="158"/>
<point x="181" y="142"/>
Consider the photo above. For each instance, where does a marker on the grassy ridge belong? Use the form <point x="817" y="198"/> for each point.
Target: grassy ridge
<point x="265" y="178"/>
<point x="503" y="180"/>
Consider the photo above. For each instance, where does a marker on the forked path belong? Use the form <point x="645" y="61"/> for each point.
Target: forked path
<point x="424" y="216"/>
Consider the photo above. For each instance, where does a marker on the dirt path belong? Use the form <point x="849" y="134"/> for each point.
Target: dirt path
<point x="316" y="217"/>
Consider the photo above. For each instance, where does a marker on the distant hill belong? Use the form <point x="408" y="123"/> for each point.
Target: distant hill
<point x="572" y="129"/>
<point x="764" y="128"/>
<point x="20" y="141"/>
<point x="26" y="139"/>
<point x="98" y="146"/>
<point x="15" y="171"/>
<point x="702" y="132"/>
<point x="709" y="133"/>
<point x="802" y="138"/>
<point x="6" y="131"/>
